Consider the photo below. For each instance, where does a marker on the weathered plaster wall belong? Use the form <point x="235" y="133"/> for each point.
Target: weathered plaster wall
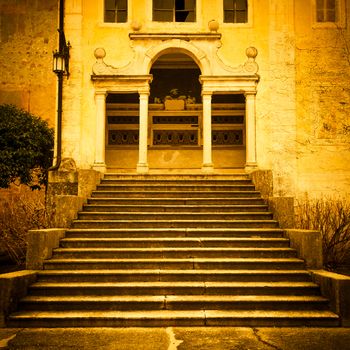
<point x="27" y="38"/>
<point x="269" y="29"/>
<point x="303" y="95"/>
<point x="74" y="132"/>
<point x="323" y="105"/>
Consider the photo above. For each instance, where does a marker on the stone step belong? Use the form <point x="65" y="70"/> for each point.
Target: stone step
<point x="176" y="264"/>
<point x="110" y="275"/>
<point x="122" y="200"/>
<point x="173" y="242"/>
<point x="175" y="232"/>
<point x="174" y="194"/>
<point x="173" y="208"/>
<point x="177" y="182"/>
<point x="167" y="318"/>
<point x="167" y="250"/>
<point x="136" y="187"/>
<point x="174" y="216"/>
<point x="171" y="253"/>
<point x="172" y="288"/>
<point x="96" y="224"/>
<point x="173" y="302"/>
<point x="175" y="176"/>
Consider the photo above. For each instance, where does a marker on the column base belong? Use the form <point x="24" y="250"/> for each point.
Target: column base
<point x="142" y="168"/>
<point x="208" y="168"/>
<point x="250" y="167"/>
<point x="101" y="167"/>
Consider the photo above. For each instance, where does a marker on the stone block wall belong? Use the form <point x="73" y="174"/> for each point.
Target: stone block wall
<point x="28" y="36"/>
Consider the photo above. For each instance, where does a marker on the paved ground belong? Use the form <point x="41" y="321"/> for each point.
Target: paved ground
<point x="176" y="338"/>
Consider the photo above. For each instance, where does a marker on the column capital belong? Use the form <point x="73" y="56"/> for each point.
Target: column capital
<point x="99" y="93"/>
<point x="250" y="93"/>
<point x="144" y="91"/>
<point x="207" y="93"/>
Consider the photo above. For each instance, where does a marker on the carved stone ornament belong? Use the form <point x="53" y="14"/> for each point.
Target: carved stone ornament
<point x="205" y="55"/>
<point x="251" y="66"/>
<point x="213" y="25"/>
<point x="135" y="26"/>
<point x="101" y="68"/>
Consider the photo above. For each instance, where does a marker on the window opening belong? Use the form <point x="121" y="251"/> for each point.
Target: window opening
<point x="122" y="114"/>
<point x="228" y="118"/>
<point x="326" y="10"/>
<point x="235" y="11"/>
<point x="174" y="10"/>
<point x="115" y="11"/>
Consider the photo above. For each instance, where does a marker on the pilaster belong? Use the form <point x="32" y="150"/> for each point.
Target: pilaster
<point x="207" y="166"/>
<point x="100" y="101"/>
<point x="251" y="160"/>
<point x="142" y="165"/>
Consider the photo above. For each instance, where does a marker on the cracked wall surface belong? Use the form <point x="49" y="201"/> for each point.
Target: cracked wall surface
<point x="323" y="105"/>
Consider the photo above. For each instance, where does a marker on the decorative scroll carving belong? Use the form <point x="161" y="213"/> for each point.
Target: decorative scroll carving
<point x="175" y="137"/>
<point x="250" y="67"/>
<point x="227" y="119"/>
<point x="123" y="137"/>
<point x="201" y="51"/>
<point x="180" y="119"/>
<point x="123" y="119"/>
<point x="101" y="68"/>
<point x="227" y="137"/>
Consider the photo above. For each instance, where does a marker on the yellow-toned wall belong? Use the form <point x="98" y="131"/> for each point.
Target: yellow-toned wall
<point x="27" y="38"/>
<point x="270" y="29"/>
<point x="114" y="38"/>
<point x="302" y="109"/>
<point x="323" y="103"/>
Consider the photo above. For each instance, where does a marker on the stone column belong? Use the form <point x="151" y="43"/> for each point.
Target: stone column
<point x="251" y="162"/>
<point x="207" y="135"/>
<point x="142" y="165"/>
<point x="100" y="101"/>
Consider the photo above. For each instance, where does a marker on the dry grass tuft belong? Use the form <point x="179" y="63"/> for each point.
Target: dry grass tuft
<point x="21" y="209"/>
<point x="332" y="218"/>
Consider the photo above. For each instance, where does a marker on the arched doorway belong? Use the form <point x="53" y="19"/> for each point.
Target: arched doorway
<point x="175" y="121"/>
<point x="216" y="133"/>
<point x="175" y="113"/>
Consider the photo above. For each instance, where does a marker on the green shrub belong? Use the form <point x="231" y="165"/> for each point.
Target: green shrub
<point x="26" y="144"/>
<point x="332" y="218"/>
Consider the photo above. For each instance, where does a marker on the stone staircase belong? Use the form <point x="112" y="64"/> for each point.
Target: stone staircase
<point x="167" y="250"/>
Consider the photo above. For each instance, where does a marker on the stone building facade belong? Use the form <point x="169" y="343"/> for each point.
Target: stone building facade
<point x="28" y="35"/>
<point x="192" y="86"/>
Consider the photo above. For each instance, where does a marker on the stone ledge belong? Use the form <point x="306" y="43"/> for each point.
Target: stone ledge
<point x="308" y="245"/>
<point x="170" y="36"/>
<point x="13" y="287"/>
<point x="40" y="246"/>
<point x="336" y="288"/>
<point x="283" y="210"/>
<point x="64" y="209"/>
<point x="263" y="181"/>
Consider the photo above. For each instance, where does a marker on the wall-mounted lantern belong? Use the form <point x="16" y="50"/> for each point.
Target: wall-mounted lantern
<point x="61" y="57"/>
